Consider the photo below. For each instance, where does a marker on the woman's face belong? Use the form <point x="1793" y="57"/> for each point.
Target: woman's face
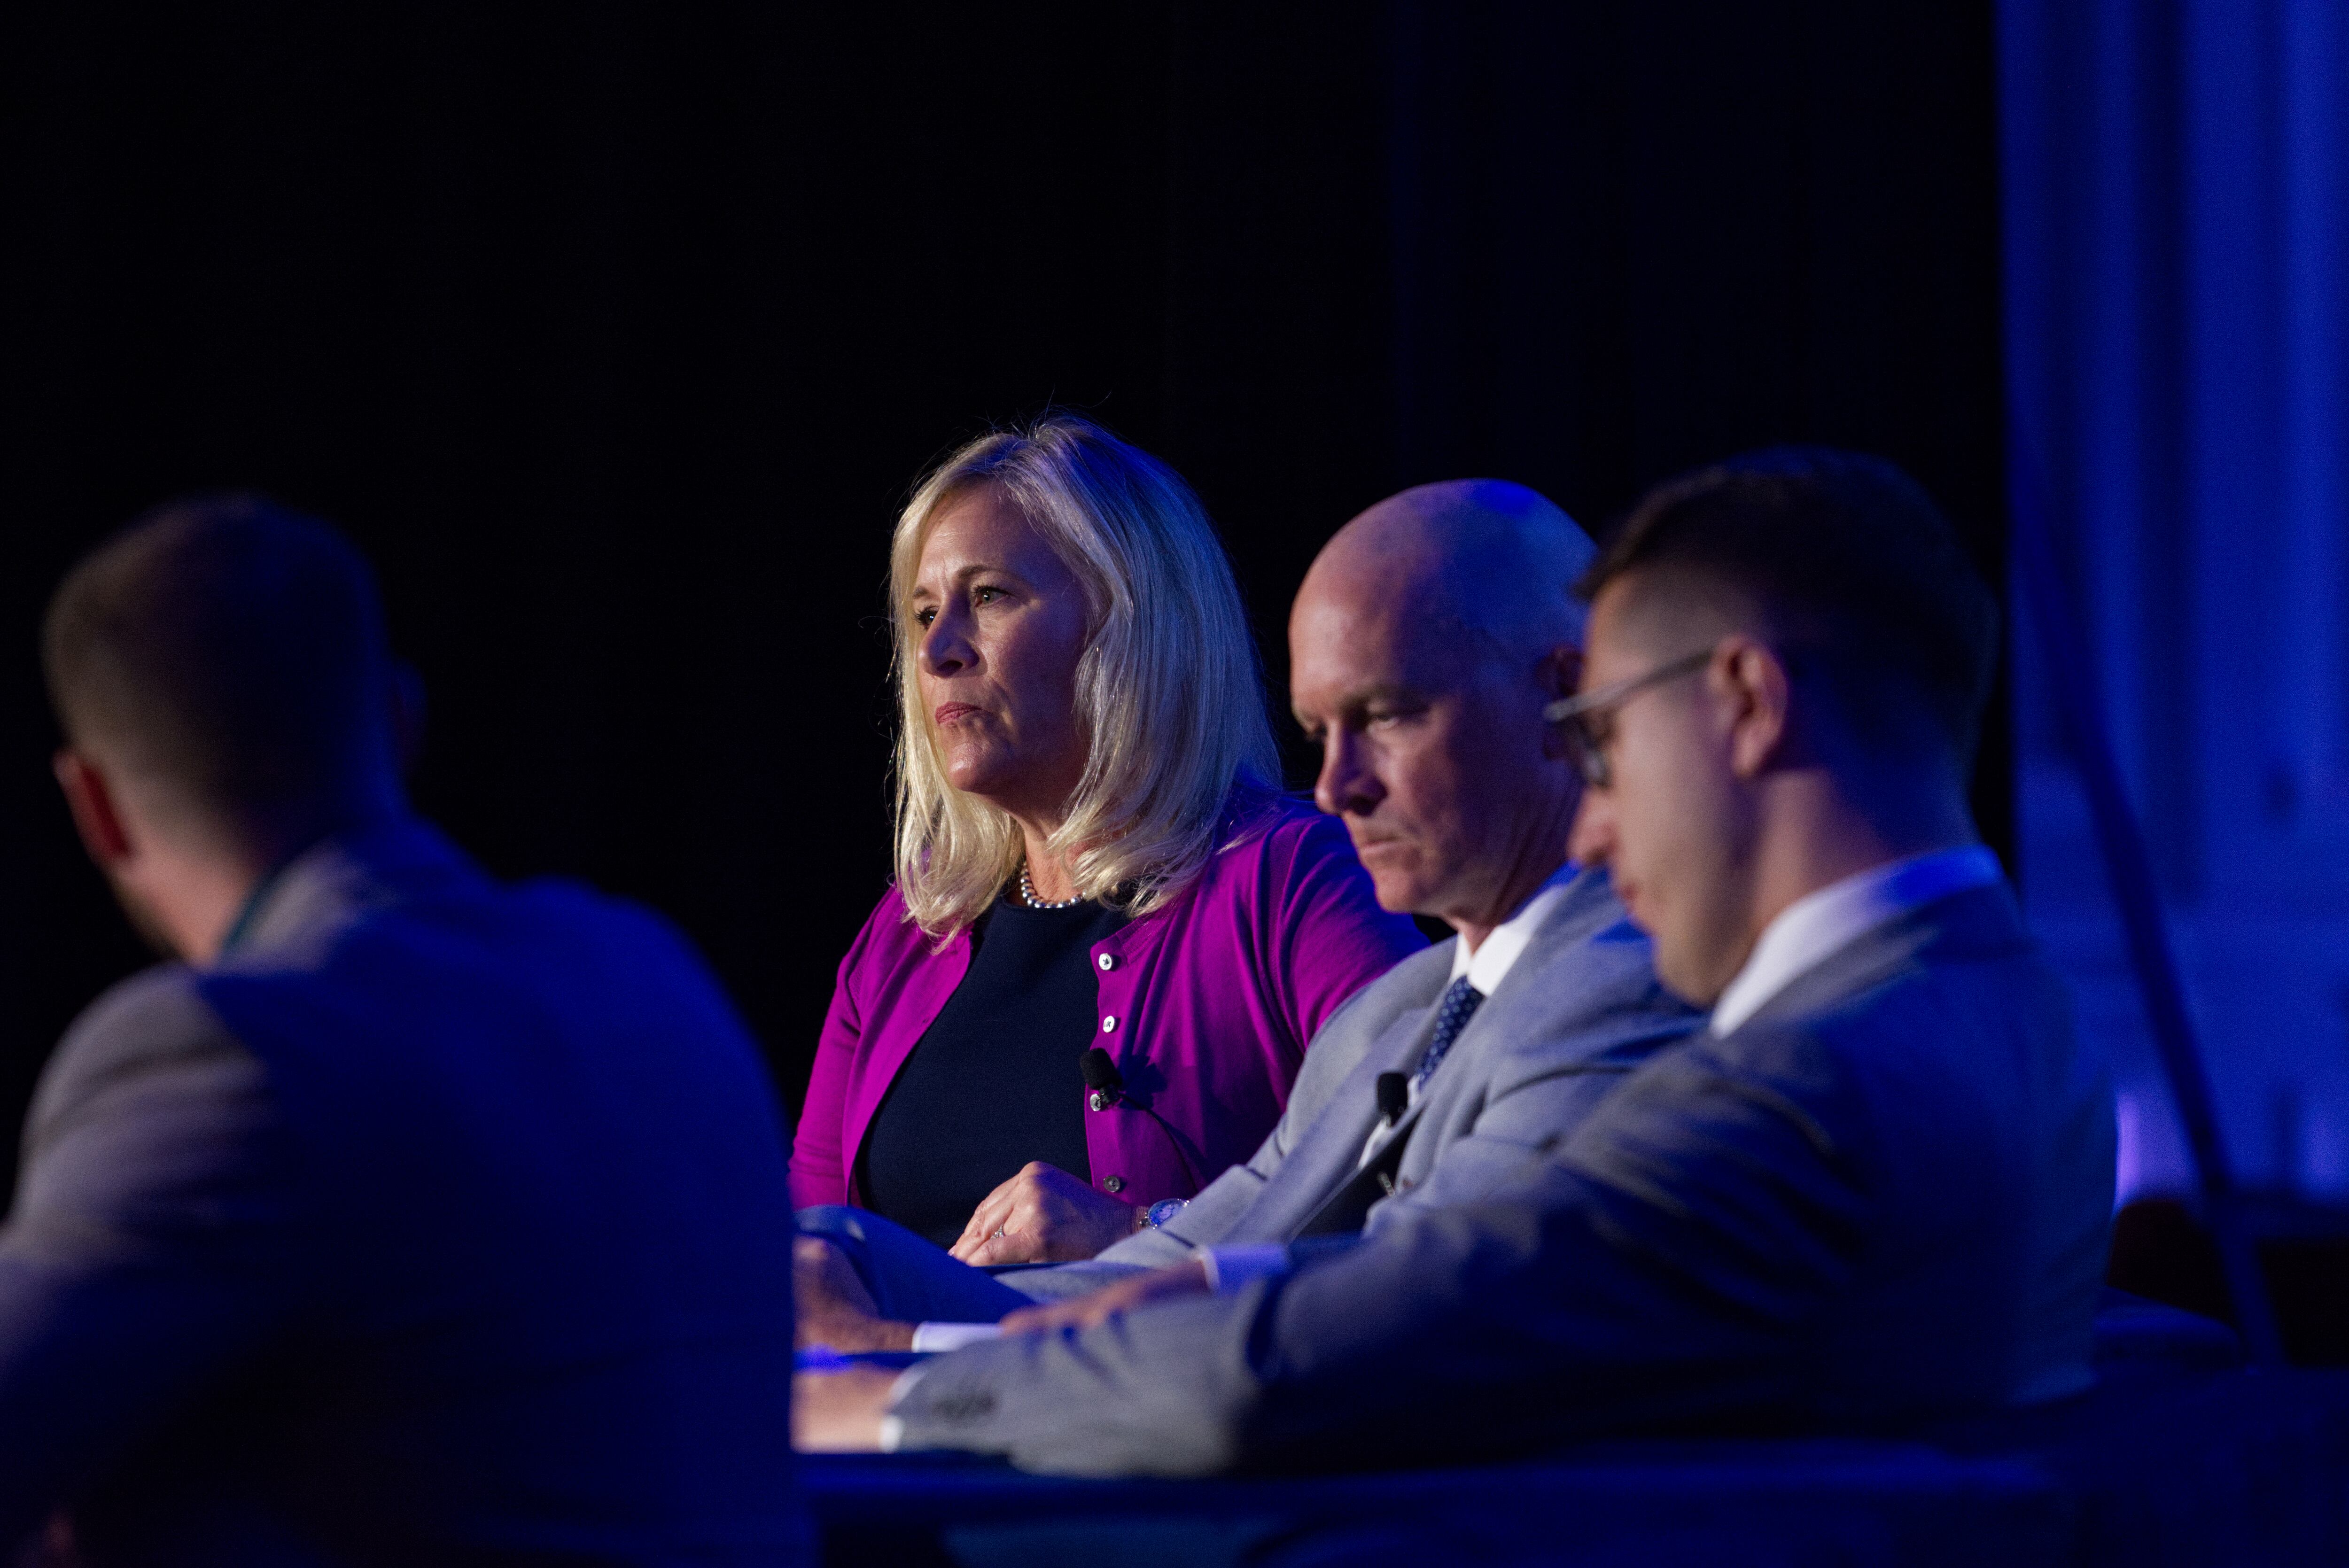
<point x="1001" y="622"/>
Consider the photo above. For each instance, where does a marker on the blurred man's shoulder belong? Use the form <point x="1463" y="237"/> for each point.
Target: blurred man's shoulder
<point x="151" y="1023"/>
<point x="159" y="1010"/>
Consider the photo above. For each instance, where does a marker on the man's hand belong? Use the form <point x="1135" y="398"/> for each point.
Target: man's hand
<point x="840" y="1412"/>
<point x="833" y="1306"/>
<point x="1043" y="1215"/>
<point x="1138" y="1290"/>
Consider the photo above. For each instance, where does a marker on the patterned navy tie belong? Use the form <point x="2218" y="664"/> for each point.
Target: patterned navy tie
<point x="1460" y="1003"/>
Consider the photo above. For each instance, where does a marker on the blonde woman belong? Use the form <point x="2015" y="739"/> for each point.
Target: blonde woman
<point x="1092" y="851"/>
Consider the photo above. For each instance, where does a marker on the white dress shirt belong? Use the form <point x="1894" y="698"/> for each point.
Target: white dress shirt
<point x="1506" y="943"/>
<point x="1820" y="925"/>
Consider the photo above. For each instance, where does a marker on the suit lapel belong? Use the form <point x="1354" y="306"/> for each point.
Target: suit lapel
<point x="1970" y="923"/>
<point x="1522" y="996"/>
<point x="1327" y="1156"/>
<point x="1587" y="905"/>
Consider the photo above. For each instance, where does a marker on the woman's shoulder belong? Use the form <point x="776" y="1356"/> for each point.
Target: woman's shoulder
<point x="1269" y="843"/>
<point x="1282" y="830"/>
<point x="888" y="909"/>
<point x="1268" y="846"/>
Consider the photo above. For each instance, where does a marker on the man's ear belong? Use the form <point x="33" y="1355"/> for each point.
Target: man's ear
<point x="96" y="817"/>
<point x="1760" y="696"/>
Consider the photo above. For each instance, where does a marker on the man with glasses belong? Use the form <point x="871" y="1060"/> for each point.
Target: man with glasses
<point x="1875" y="1190"/>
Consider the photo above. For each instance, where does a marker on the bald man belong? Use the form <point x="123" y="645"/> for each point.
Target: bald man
<point x="1427" y="639"/>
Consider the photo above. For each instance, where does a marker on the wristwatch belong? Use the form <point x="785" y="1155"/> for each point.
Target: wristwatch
<point x="1164" y="1210"/>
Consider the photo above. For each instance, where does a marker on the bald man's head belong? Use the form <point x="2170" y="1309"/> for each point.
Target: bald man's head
<point x="1480" y="565"/>
<point x="1426" y="639"/>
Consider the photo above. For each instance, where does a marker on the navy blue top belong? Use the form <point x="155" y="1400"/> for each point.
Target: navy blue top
<point x="993" y="1082"/>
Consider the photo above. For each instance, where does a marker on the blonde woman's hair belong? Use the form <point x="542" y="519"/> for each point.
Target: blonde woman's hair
<point x="1169" y="692"/>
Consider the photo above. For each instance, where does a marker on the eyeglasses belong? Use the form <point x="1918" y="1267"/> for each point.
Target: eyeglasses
<point x="1590" y="717"/>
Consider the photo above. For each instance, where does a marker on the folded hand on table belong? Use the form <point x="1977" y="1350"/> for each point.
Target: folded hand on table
<point x="1042" y="1215"/>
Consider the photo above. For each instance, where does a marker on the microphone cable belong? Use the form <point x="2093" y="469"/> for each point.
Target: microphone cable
<point x="1106" y="1087"/>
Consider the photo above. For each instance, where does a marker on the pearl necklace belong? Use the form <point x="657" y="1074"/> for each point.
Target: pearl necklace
<point x="1028" y="894"/>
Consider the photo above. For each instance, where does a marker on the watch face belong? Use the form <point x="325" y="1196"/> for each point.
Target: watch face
<point x="1166" y="1209"/>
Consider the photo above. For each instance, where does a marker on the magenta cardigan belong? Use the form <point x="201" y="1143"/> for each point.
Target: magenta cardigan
<point x="1206" y="1004"/>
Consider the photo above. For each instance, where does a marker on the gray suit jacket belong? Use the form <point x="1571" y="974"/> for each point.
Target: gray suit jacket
<point x="1579" y="1010"/>
<point x="440" y="1221"/>
<point x="1886" y="1196"/>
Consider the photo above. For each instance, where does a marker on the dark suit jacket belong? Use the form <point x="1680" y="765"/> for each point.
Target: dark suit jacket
<point x="1885" y="1197"/>
<point x="439" y="1222"/>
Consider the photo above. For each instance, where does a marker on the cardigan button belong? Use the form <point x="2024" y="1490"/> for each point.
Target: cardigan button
<point x="1112" y="1184"/>
<point x="1109" y="1023"/>
<point x="1108" y="960"/>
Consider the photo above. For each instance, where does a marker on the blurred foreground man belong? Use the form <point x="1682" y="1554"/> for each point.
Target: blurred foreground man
<point x="407" y="1217"/>
<point x="1875" y="1188"/>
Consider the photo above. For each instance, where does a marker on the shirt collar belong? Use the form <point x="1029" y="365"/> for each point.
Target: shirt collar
<point x="368" y="866"/>
<point x="1821" y="924"/>
<point x="1499" y="953"/>
<point x="249" y="914"/>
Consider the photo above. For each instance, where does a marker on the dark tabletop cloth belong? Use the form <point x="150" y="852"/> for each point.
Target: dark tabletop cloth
<point x="993" y="1083"/>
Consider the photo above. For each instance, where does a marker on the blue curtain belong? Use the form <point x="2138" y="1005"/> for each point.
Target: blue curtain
<point x="2176" y="212"/>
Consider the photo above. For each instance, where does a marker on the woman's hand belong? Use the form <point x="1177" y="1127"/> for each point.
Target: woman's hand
<point x="1043" y="1215"/>
<point x="1084" y="1311"/>
<point x="832" y="1307"/>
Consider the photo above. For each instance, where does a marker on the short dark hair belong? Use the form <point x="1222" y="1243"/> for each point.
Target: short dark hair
<point x="1857" y="574"/>
<point x="230" y="646"/>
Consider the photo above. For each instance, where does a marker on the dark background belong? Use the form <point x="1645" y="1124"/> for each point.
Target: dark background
<point x="616" y="332"/>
